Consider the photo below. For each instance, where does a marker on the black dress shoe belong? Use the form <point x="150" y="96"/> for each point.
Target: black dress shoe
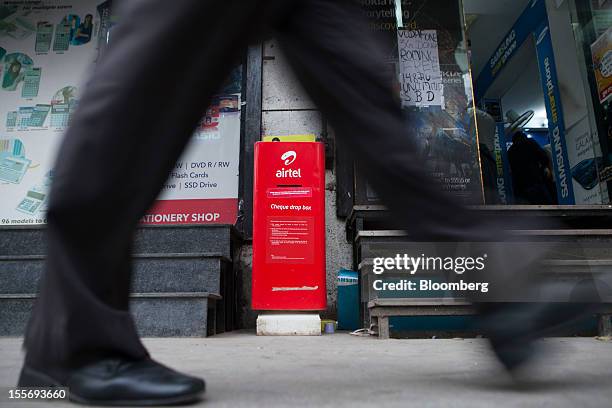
<point x="122" y="382"/>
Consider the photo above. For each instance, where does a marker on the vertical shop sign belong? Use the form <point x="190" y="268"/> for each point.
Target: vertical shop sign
<point x="503" y="179"/>
<point x="554" y="112"/>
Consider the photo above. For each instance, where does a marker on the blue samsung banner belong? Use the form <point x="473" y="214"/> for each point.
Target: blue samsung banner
<point x="502" y="177"/>
<point x="525" y="25"/>
<point x="533" y="22"/>
<point x="554" y="112"/>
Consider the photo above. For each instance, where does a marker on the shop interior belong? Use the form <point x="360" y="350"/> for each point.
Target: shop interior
<point x="531" y="169"/>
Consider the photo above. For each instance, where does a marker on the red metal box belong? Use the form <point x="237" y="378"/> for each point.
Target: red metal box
<point x="289" y="226"/>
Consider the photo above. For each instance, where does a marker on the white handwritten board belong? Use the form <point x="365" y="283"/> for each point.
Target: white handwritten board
<point x="419" y="65"/>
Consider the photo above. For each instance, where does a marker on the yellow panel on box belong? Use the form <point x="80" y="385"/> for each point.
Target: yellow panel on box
<point x="290" y="138"/>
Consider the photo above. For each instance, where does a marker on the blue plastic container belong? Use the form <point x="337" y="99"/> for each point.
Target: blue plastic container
<point x="348" y="300"/>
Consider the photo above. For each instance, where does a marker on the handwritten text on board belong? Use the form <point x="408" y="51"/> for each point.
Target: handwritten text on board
<point x="419" y="64"/>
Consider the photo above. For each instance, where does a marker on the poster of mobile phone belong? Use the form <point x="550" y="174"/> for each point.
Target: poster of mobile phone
<point x="47" y="48"/>
<point x="586" y="161"/>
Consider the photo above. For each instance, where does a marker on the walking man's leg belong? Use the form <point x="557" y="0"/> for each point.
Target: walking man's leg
<point x="343" y="68"/>
<point x="165" y="61"/>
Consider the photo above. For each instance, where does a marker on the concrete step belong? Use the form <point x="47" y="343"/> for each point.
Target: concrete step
<point x="176" y="314"/>
<point x="152" y="273"/>
<point x="568" y="244"/>
<point x="570" y="258"/>
<point x="160" y="315"/>
<point x="377" y="217"/>
<point x="179" y="273"/>
<point x="30" y="240"/>
<point x="215" y="239"/>
<point x="22" y="241"/>
<point x="182" y="284"/>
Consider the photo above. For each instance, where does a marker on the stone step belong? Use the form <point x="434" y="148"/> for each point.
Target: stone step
<point x="181" y="273"/>
<point x="156" y="314"/>
<point x="568" y="244"/>
<point x="197" y="272"/>
<point x="183" y="282"/>
<point x="184" y="239"/>
<point x="176" y="314"/>
<point x="574" y="259"/>
<point x="377" y="217"/>
<point x="30" y="240"/>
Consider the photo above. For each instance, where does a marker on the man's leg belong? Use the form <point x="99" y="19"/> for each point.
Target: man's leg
<point x="342" y="67"/>
<point x="165" y="61"/>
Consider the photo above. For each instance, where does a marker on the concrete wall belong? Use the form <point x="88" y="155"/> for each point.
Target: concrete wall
<point x="288" y="110"/>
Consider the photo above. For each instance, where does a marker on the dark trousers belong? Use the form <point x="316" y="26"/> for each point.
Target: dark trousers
<point x="165" y="61"/>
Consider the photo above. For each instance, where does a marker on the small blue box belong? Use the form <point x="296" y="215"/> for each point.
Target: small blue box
<point x="348" y="300"/>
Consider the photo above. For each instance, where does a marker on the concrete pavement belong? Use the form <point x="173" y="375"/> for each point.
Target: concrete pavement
<point x="243" y="370"/>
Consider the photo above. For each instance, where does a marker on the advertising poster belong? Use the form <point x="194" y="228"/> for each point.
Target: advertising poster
<point x="48" y="49"/>
<point x="203" y="187"/>
<point x="586" y="161"/>
<point x="602" y="65"/>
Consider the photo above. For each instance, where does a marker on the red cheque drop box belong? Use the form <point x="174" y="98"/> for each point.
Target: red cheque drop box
<point x="289" y="226"/>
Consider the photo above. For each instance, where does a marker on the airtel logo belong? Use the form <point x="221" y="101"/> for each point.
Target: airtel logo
<point x="289" y="157"/>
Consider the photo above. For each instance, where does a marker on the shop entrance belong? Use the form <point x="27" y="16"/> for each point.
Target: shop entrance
<point x="536" y="143"/>
<point x="475" y="74"/>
